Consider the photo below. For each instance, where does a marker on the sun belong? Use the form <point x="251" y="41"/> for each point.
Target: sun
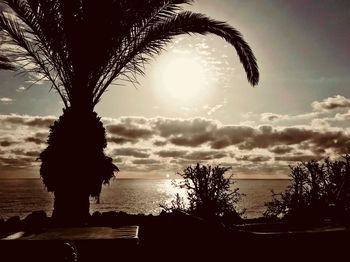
<point x="181" y="78"/>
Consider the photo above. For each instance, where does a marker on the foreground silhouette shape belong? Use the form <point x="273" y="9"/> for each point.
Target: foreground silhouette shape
<point x="208" y="193"/>
<point x="81" y="47"/>
<point x="319" y="190"/>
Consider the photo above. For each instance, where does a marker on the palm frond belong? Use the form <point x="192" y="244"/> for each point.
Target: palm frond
<point x="153" y="39"/>
<point x="24" y="48"/>
<point x="5" y="64"/>
<point x="83" y="46"/>
<point x="187" y="23"/>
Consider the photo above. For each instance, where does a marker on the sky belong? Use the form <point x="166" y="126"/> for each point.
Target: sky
<point x="194" y="103"/>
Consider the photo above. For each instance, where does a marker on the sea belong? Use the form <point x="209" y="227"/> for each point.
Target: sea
<point x="20" y="197"/>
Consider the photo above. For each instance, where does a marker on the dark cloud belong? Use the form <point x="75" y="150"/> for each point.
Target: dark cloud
<point x="134" y="152"/>
<point x="160" y="143"/>
<point x="7" y="142"/>
<point x="146" y="161"/>
<point x="38" y="138"/>
<point x="254" y="158"/>
<point x="30" y="121"/>
<point x="198" y="131"/>
<point x="268" y="137"/>
<point x="297" y="158"/>
<point x="118" y="159"/>
<point x="171" y="153"/>
<point x="17" y="162"/>
<point x="130" y="131"/>
<point x="34" y="154"/>
<point x="181" y="164"/>
<point x="178" y="127"/>
<point x="171" y="144"/>
<point x="120" y="140"/>
<point x="142" y="168"/>
<point x="231" y="135"/>
<point x="280" y="150"/>
<point x="331" y="103"/>
<point x="193" y="141"/>
<point x="270" y="117"/>
<point x="191" y="132"/>
<point x="192" y="155"/>
<point x="205" y="155"/>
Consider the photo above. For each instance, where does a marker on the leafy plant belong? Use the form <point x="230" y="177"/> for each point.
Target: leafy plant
<point x="209" y="193"/>
<point x="318" y="190"/>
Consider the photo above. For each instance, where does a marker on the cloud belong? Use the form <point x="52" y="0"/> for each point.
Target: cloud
<point x="214" y="109"/>
<point x="8" y="140"/>
<point x="253" y="158"/>
<point x="18" y="162"/>
<point x="156" y="144"/>
<point x="25" y="152"/>
<point x="172" y="127"/>
<point x="321" y="111"/>
<point x="29" y="121"/>
<point x="192" y="155"/>
<point x="131" y="132"/>
<point x="228" y="135"/>
<point x="205" y="155"/>
<point x="128" y="130"/>
<point x="21" y="89"/>
<point x="280" y="150"/>
<point x="120" y="140"/>
<point x="171" y="153"/>
<point x="297" y="158"/>
<point x="134" y="152"/>
<point x="146" y="161"/>
<point x="192" y="141"/>
<point x="160" y="143"/>
<point x="6" y="100"/>
<point x="38" y="138"/>
<point x="270" y="117"/>
<point x="331" y="103"/>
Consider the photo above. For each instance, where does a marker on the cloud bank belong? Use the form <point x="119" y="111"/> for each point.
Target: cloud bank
<point x="165" y="145"/>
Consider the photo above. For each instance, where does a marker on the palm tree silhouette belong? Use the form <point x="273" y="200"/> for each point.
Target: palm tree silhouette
<point x="4" y="61"/>
<point x="81" y="47"/>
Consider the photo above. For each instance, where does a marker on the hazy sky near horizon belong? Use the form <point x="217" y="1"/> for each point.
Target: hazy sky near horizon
<point x="195" y="105"/>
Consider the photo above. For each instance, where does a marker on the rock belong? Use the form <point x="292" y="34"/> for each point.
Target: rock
<point x="36" y="220"/>
<point x="109" y="218"/>
<point x="95" y="219"/>
<point x="13" y="224"/>
<point x="2" y="224"/>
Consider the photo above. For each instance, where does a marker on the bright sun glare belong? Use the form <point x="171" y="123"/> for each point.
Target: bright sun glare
<point x="181" y="78"/>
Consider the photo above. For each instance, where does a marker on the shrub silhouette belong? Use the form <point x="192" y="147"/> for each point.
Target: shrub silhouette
<point x="208" y="193"/>
<point x="318" y="190"/>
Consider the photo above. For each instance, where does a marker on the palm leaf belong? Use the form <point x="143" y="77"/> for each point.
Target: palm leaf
<point x="155" y="37"/>
<point x="83" y="46"/>
<point x="5" y="63"/>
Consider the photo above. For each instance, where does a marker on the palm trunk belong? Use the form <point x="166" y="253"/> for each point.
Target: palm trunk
<point x="74" y="165"/>
<point x="71" y="207"/>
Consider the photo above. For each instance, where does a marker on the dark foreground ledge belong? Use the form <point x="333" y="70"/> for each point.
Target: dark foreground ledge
<point x="171" y="237"/>
<point x="64" y="244"/>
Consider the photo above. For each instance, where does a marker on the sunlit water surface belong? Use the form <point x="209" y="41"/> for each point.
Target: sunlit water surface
<point x="19" y="197"/>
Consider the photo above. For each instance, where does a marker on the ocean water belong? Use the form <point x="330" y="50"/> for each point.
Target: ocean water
<point x="19" y="197"/>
